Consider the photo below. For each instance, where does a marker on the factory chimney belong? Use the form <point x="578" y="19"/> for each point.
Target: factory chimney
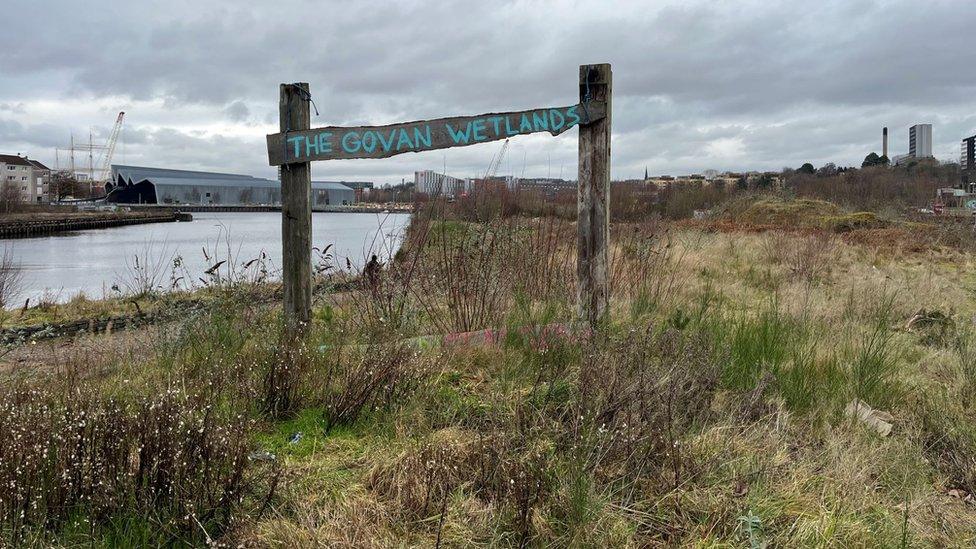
<point x="884" y="142"/>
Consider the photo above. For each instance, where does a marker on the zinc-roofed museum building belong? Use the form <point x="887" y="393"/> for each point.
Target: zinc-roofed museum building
<point x="144" y="185"/>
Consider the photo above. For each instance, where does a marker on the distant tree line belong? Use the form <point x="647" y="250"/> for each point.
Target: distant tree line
<point x="872" y="160"/>
<point x="874" y="187"/>
<point x="401" y="192"/>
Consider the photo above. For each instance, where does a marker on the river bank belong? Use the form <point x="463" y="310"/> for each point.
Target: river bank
<point x="163" y="257"/>
<point x="359" y="207"/>
<point x="51" y="220"/>
<point x="26" y="225"/>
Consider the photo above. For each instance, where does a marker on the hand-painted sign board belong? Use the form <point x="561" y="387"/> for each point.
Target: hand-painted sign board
<point x="336" y="143"/>
<point x="297" y="145"/>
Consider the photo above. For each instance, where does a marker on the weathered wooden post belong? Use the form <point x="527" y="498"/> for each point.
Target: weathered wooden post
<point x="296" y="216"/>
<point x="593" y="208"/>
<point x="297" y="145"/>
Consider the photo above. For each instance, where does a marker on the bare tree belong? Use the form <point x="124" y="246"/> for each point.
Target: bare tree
<point x="63" y="184"/>
<point x="11" y="276"/>
<point x="827" y="170"/>
<point x="10" y="197"/>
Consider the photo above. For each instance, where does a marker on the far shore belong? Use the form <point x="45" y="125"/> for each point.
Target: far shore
<point x="40" y="223"/>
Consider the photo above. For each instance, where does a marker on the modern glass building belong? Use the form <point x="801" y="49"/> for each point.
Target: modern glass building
<point x="967" y="163"/>
<point x="920" y="141"/>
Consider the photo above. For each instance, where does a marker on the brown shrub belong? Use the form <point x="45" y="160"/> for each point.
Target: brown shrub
<point x="379" y="295"/>
<point x="807" y="258"/>
<point x="877" y="189"/>
<point x="540" y="259"/>
<point x="367" y="379"/>
<point x="638" y="396"/>
<point x="460" y="287"/>
<point x="70" y="454"/>
<point x="472" y="272"/>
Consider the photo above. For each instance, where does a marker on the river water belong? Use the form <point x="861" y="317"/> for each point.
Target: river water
<point x="104" y="262"/>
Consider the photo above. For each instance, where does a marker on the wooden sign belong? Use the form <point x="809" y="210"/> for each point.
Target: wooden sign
<point x="336" y="143"/>
<point x="297" y="145"/>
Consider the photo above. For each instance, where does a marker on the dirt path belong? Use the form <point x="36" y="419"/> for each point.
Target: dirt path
<point x="133" y="344"/>
<point x="84" y="351"/>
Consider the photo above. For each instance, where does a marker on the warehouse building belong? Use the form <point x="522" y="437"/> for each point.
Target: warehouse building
<point x="432" y="183"/>
<point x="143" y="185"/>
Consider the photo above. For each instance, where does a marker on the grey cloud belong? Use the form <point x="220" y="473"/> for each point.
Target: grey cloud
<point x="36" y="136"/>
<point x="785" y="82"/>
<point x="15" y="108"/>
<point x="237" y="111"/>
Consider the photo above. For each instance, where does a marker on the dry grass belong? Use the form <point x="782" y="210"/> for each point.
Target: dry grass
<point x="708" y="412"/>
<point x="73" y="456"/>
<point x="520" y="445"/>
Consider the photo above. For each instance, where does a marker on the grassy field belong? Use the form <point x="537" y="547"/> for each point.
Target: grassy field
<point x="710" y="409"/>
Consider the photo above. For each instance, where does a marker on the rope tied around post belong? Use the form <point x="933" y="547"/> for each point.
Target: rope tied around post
<point x="591" y="73"/>
<point x="305" y="95"/>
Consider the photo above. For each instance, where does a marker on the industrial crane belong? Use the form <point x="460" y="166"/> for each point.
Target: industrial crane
<point x="110" y="151"/>
<point x="496" y="162"/>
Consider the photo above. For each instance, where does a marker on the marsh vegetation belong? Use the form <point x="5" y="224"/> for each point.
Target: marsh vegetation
<point x="708" y="410"/>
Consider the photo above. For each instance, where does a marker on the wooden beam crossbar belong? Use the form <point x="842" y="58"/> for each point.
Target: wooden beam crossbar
<point x="338" y="143"/>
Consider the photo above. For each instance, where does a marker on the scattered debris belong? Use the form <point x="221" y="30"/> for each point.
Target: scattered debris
<point x="261" y="456"/>
<point x="961" y="494"/>
<point x="751" y="526"/>
<point x="932" y="326"/>
<point x="295" y="438"/>
<point x="879" y="420"/>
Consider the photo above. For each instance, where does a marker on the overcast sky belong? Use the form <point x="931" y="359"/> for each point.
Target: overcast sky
<point x="697" y="85"/>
